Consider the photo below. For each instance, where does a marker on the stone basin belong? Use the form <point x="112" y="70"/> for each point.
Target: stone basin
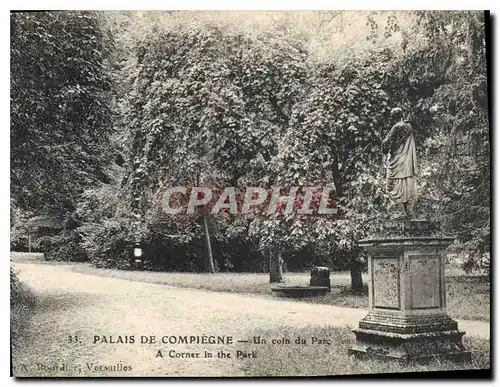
<point x="298" y="291"/>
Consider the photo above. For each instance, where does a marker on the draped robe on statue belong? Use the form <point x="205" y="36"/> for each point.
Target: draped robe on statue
<point x="402" y="164"/>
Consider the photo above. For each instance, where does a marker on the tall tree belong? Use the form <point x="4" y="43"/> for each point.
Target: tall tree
<point x="206" y="108"/>
<point x="458" y="149"/>
<point x="334" y="140"/>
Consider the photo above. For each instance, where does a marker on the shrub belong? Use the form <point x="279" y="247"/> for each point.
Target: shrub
<point x="109" y="244"/>
<point x="65" y="246"/>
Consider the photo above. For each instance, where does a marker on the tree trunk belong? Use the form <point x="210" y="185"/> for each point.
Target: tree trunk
<point x="275" y="268"/>
<point x="211" y="267"/>
<point x="356" y="278"/>
<point x="337" y="177"/>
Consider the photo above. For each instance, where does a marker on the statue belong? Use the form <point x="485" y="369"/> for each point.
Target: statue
<point x="401" y="163"/>
<point x="406" y="264"/>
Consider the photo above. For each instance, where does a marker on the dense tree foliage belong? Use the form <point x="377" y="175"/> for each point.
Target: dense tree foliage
<point x="335" y="139"/>
<point x="206" y="108"/>
<point x="216" y="105"/>
<point x="61" y="115"/>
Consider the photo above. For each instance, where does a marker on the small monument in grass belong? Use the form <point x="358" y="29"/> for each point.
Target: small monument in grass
<point x="319" y="285"/>
<point x="407" y="317"/>
<point x="320" y="276"/>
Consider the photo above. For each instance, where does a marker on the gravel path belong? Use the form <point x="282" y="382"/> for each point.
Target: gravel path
<point x="73" y="304"/>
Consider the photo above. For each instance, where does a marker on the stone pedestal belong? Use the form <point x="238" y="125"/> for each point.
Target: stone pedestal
<point x="407" y="317"/>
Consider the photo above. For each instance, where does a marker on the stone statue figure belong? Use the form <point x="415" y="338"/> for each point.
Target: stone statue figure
<point x="401" y="163"/>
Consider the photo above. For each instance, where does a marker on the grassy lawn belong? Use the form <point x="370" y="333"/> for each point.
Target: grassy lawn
<point x="468" y="297"/>
<point x="252" y="283"/>
<point x="310" y="360"/>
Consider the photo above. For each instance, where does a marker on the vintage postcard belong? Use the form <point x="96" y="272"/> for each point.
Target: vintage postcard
<point x="249" y="193"/>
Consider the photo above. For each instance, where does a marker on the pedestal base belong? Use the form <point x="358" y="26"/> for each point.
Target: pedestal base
<point x="407" y="296"/>
<point x="409" y="347"/>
